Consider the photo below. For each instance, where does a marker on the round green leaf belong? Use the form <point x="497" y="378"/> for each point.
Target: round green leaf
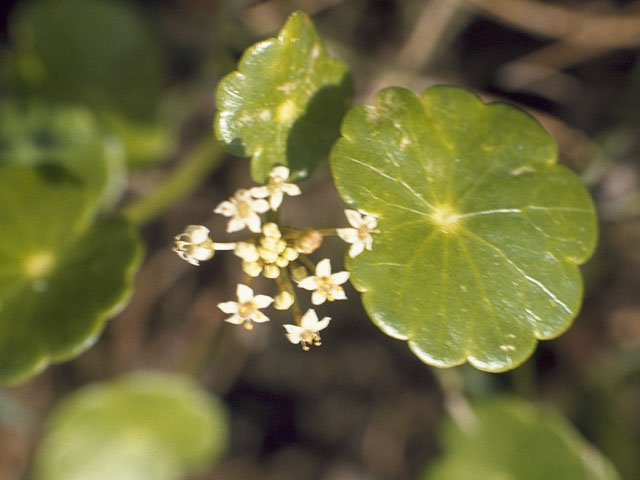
<point x="480" y="232"/>
<point x="68" y="141"/>
<point x="508" y="439"/>
<point x="146" y="426"/>
<point x="93" y="52"/>
<point x="284" y="103"/>
<point x="62" y="275"/>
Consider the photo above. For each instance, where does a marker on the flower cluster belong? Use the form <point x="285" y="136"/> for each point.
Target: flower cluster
<point x="278" y="253"/>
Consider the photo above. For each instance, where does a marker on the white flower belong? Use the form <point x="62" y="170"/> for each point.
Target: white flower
<point x="360" y="235"/>
<point x="326" y="285"/>
<point x="194" y="245"/>
<point x="276" y="187"/>
<point x="307" y="333"/>
<point x="247" y="309"/>
<point x="243" y="210"/>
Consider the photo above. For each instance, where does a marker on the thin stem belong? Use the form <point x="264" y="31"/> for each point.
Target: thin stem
<point x="456" y="404"/>
<point x="307" y="263"/>
<point x="285" y="279"/>
<point x="326" y="232"/>
<point x="224" y="246"/>
<point x="188" y="176"/>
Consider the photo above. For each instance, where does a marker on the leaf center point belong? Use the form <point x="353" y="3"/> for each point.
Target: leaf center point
<point x="446" y="218"/>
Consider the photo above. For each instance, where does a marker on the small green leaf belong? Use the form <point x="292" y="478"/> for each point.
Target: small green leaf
<point x="285" y="102"/>
<point x="480" y="231"/>
<point x="92" y="52"/>
<point x="146" y="426"/>
<point x="66" y="140"/>
<point x="62" y="275"/>
<point x="510" y="439"/>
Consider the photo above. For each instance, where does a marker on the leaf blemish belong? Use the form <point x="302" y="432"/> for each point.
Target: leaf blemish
<point x="39" y="264"/>
<point x="521" y="170"/>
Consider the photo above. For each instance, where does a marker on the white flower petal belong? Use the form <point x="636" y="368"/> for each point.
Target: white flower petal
<point x="276" y="200"/>
<point x="308" y="283"/>
<point x="309" y="320"/>
<point x="280" y="172"/>
<point x="323" y="268"/>
<point x="318" y="297"/>
<point x="322" y="324"/>
<point x="354" y="218"/>
<point x="259" y="317"/>
<point x="356" y="249"/>
<point x="225" y="208"/>
<point x="370" y="221"/>
<point x="253" y="222"/>
<point x="229" y="307"/>
<point x="338" y="294"/>
<point x="291" y="189"/>
<point x="368" y="242"/>
<point x="235" y="225"/>
<point x="339" y="278"/>
<point x="262" y="301"/>
<point x="235" y="319"/>
<point x="294" y="333"/>
<point x="260" y="206"/>
<point x="244" y="293"/>
<point x="260" y="192"/>
<point x="243" y="195"/>
<point x="349" y="235"/>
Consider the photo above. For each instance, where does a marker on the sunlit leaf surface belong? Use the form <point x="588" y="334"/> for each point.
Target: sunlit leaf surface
<point x="508" y="439"/>
<point x="63" y="275"/>
<point x="146" y="426"/>
<point x="480" y="231"/>
<point x="284" y="103"/>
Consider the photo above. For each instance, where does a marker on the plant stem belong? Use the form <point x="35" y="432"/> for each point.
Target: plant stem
<point x="188" y="176"/>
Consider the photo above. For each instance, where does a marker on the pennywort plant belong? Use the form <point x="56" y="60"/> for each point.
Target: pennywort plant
<point x="465" y="236"/>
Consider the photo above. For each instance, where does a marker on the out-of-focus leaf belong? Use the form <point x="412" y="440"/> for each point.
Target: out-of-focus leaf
<point x="145" y="142"/>
<point x="98" y="53"/>
<point x="508" y="439"/>
<point x="146" y="426"/>
<point x="284" y="103"/>
<point x="480" y="232"/>
<point x="64" y="139"/>
<point x="63" y="275"/>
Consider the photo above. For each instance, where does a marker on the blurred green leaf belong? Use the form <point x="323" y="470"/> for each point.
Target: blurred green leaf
<point x="94" y="52"/>
<point x="480" y="231"/>
<point x="146" y="143"/>
<point x="508" y="439"/>
<point x="285" y="102"/>
<point x="67" y="139"/>
<point x="146" y="426"/>
<point x="62" y="274"/>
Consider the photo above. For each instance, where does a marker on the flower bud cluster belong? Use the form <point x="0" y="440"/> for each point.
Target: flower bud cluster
<point x="268" y="255"/>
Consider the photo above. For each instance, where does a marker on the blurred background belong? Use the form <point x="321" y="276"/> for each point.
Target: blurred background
<point x="361" y="406"/>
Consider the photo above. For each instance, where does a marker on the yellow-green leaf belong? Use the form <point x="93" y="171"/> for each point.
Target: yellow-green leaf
<point x="284" y="104"/>
<point x="145" y="426"/>
<point x="480" y="232"/>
